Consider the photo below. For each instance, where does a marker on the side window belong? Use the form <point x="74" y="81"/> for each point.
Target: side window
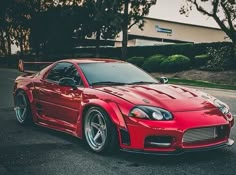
<point x="63" y="70"/>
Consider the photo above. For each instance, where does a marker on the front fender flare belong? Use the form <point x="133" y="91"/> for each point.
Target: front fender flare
<point x="110" y="107"/>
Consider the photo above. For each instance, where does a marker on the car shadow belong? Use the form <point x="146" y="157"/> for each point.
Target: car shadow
<point x="135" y="160"/>
<point x="58" y="134"/>
<point x="186" y="158"/>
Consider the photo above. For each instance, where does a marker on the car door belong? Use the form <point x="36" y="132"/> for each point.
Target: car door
<point x="60" y="105"/>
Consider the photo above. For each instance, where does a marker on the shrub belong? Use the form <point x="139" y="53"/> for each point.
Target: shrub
<point x="187" y="49"/>
<point x="220" y="59"/>
<point x="138" y="61"/>
<point x="175" y="63"/>
<point x="201" y="60"/>
<point x="152" y="64"/>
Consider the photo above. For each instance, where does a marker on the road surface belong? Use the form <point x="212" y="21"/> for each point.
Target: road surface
<point x="36" y="150"/>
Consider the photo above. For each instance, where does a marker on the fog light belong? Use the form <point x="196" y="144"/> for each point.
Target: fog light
<point x="158" y="141"/>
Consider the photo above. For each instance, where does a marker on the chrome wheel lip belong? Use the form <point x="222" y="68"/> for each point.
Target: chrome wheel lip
<point x="95" y="129"/>
<point x="20" y="107"/>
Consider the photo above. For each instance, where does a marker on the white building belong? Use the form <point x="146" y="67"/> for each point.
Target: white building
<point x="159" y="31"/>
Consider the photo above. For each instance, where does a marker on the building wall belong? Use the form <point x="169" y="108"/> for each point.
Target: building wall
<point x="175" y="31"/>
<point x="118" y="43"/>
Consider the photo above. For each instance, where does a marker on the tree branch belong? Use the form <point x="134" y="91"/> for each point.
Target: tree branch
<point x="200" y="9"/>
<point x="222" y="25"/>
<point x="228" y="16"/>
<point x="131" y="25"/>
<point x="229" y="30"/>
<point x="215" y="6"/>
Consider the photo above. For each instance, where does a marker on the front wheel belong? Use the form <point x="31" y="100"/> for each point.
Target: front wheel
<point x="99" y="131"/>
<point x="22" y="108"/>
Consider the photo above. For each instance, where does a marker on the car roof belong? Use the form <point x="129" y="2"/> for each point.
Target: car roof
<point x="91" y="60"/>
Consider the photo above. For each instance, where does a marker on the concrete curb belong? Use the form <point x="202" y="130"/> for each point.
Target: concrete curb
<point x="206" y="88"/>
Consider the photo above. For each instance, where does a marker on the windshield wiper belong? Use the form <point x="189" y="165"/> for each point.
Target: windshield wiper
<point x="107" y="83"/>
<point x="143" y="82"/>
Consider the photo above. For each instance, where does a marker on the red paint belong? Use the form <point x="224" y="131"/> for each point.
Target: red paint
<point x="61" y="108"/>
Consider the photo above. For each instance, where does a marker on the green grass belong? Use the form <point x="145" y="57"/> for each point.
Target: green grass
<point x="200" y="83"/>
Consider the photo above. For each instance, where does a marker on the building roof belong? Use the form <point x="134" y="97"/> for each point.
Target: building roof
<point x="183" y="23"/>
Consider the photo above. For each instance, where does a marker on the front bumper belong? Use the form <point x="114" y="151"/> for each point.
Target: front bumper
<point x="229" y="143"/>
<point x="138" y="130"/>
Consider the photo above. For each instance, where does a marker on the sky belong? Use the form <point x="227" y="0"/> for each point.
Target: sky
<point x="169" y="10"/>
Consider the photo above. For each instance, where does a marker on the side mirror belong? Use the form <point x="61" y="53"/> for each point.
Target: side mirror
<point x="68" y="82"/>
<point x="163" y="80"/>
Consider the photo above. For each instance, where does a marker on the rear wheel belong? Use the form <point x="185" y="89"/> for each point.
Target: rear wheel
<point x="22" y="108"/>
<point x="99" y="131"/>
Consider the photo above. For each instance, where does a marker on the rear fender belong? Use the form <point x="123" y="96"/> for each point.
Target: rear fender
<point x="30" y="98"/>
<point x="27" y="91"/>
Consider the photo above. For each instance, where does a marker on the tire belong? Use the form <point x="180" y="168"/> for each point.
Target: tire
<point x="22" y="108"/>
<point x="99" y="132"/>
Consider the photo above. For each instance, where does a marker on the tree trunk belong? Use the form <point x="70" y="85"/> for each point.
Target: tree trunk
<point x="8" y="43"/>
<point x="233" y="38"/>
<point x="124" y="50"/>
<point x="3" y="43"/>
<point x="21" y="38"/>
<point x="234" y="43"/>
<point x="98" y="33"/>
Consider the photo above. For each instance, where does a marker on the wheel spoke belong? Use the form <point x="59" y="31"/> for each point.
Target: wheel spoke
<point x="99" y="120"/>
<point x="97" y="136"/>
<point x="103" y="127"/>
<point x="95" y="125"/>
<point x="103" y="136"/>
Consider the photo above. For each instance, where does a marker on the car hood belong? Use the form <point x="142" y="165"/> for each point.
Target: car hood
<point x="171" y="97"/>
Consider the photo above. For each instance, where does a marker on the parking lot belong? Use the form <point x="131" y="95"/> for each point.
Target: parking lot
<point x="36" y="150"/>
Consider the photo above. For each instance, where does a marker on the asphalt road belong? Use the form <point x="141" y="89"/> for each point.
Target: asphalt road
<point x="36" y="150"/>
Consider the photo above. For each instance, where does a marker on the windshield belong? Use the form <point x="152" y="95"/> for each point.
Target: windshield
<point x="115" y="73"/>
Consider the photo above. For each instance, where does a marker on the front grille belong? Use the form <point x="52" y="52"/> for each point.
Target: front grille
<point x="200" y="134"/>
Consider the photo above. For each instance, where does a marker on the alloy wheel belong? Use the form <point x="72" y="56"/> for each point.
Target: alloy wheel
<point x="95" y="129"/>
<point x="20" y="107"/>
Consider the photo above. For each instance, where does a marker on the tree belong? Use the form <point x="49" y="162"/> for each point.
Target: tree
<point x="20" y="14"/>
<point x="52" y="30"/>
<point x="105" y="19"/>
<point x="14" y="19"/>
<point x="222" y="11"/>
<point x="133" y="13"/>
<point x="5" y="27"/>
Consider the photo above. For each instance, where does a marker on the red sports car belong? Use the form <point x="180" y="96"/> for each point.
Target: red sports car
<point x="113" y="104"/>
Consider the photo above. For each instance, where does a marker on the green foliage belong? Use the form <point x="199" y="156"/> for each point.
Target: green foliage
<point x="137" y="10"/>
<point x="52" y="30"/>
<point x="152" y="64"/>
<point x="189" y="50"/>
<point x="14" y="24"/>
<point x="201" y="60"/>
<point x="175" y="63"/>
<point x="138" y="61"/>
<point x="105" y="18"/>
<point x="220" y="59"/>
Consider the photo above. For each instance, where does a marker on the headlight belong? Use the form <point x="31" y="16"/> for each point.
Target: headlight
<point x="222" y="106"/>
<point x="152" y="113"/>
